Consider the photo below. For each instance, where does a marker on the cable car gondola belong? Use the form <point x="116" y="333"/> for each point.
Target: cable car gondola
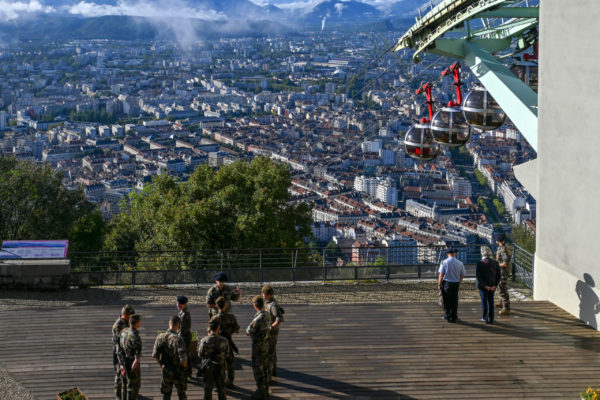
<point x="418" y="142"/>
<point x="448" y="125"/>
<point x="481" y="111"/>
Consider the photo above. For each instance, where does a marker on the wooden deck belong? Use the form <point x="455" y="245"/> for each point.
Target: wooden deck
<point x="389" y="351"/>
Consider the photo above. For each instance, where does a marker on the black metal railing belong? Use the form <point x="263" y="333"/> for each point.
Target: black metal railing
<point x="264" y="265"/>
<point x="523" y="264"/>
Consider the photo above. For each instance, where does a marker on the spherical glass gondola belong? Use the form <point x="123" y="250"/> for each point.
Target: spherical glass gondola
<point x="449" y="127"/>
<point x="481" y="110"/>
<point x="419" y="143"/>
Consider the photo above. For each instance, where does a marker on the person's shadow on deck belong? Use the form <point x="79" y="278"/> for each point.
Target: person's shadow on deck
<point x="589" y="304"/>
<point x="329" y="388"/>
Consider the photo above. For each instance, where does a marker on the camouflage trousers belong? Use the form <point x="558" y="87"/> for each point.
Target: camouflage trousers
<point x="260" y="366"/>
<point x="230" y="366"/>
<point x="133" y="383"/>
<point x="214" y="376"/>
<point x="272" y="354"/>
<point x="187" y="339"/>
<point x="170" y="378"/>
<point x="503" y="288"/>
<point x="118" y="381"/>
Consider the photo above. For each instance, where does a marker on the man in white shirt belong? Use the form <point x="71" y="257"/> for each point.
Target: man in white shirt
<point x="451" y="274"/>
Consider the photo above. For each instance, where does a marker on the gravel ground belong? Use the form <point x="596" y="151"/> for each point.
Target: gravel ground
<point x="11" y="389"/>
<point x="305" y="293"/>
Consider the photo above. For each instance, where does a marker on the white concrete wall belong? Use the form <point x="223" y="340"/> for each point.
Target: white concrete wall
<point x="567" y="269"/>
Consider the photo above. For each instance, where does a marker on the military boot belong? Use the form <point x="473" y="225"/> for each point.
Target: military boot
<point x="504" y="311"/>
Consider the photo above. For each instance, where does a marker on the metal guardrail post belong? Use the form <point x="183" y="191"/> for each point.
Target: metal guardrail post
<point x="293" y="268"/>
<point x="324" y="269"/>
<point x="419" y="272"/>
<point x="260" y="267"/>
<point x="513" y="258"/>
<point x="387" y="265"/>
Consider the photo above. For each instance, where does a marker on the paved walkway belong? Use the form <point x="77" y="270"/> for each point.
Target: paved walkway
<point x="346" y="351"/>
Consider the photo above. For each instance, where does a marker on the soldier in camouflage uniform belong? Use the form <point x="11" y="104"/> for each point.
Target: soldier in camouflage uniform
<point x="121" y="323"/>
<point x="171" y="353"/>
<point x="258" y="330"/>
<point x="186" y="330"/>
<point x="276" y="313"/>
<point x="229" y="326"/>
<point x="220" y="289"/>
<point x="503" y="256"/>
<point x="131" y="343"/>
<point x="214" y="348"/>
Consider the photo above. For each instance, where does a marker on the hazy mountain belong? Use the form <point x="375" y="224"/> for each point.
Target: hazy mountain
<point x="189" y="20"/>
<point x="343" y="11"/>
<point x="115" y="27"/>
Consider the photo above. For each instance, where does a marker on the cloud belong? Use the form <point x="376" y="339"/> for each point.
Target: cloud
<point x="164" y="9"/>
<point x="10" y="10"/>
<point x="339" y="7"/>
<point x="171" y="18"/>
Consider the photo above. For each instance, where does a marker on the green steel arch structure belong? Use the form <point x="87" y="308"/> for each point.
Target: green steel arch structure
<point x="480" y="33"/>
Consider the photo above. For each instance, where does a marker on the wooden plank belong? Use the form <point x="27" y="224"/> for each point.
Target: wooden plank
<point x="352" y="351"/>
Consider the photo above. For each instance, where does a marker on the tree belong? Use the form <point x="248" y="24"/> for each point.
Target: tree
<point x="480" y="178"/>
<point x="498" y="206"/>
<point x="523" y="237"/>
<point x="380" y="261"/>
<point x="241" y="205"/>
<point x="35" y="205"/>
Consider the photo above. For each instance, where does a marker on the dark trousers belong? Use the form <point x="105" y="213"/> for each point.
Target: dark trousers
<point x="450" y="294"/>
<point x="487" y="304"/>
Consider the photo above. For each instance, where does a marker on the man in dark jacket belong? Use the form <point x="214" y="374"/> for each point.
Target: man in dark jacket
<point x="488" y="276"/>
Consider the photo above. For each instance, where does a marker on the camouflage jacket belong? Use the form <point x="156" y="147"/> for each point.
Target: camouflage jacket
<point x="117" y="327"/>
<point x="259" y="327"/>
<point x="214" y="347"/>
<point x="229" y="324"/>
<point x="186" y="321"/>
<point x="172" y="344"/>
<point x="214" y="293"/>
<point x="131" y="343"/>
<point x="503" y="255"/>
<point x="274" y="310"/>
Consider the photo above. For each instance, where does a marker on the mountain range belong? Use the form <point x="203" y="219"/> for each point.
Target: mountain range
<point x="193" y="19"/>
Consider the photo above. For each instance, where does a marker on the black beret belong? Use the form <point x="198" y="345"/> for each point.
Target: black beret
<point x="501" y="237"/>
<point x="182" y="299"/>
<point x="221" y="277"/>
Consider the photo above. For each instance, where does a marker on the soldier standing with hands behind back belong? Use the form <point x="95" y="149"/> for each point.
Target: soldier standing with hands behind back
<point x="276" y="313"/>
<point x="185" y="330"/>
<point x="171" y="353"/>
<point x="258" y="330"/>
<point x="503" y="256"/>
<point x="220" y="289"/>
<point x="121" y="323"/>
<point x="213" y="350"/>
<point x="131" y="343"/>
